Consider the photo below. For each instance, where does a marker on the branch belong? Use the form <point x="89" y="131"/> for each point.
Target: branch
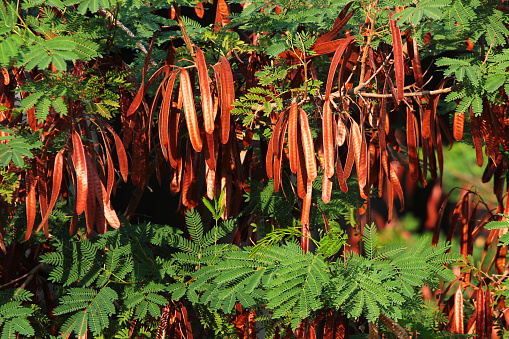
<point x="30" y="275"/>
<point x="187" y="40"/>
<point x="260" y="108"/>
<point x="125" y="29"/>
<point x="367" y="46"/>
<point x="413" y="94"/>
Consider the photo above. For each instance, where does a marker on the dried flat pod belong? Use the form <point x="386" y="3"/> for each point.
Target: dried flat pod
<point x="341" y="131"/>
<point x="399" y="66"/>
<point x="326" y="189"/>
<point x="343" y="44"/>
<point x="80" y="167"/>
<point x="292" y="137"/>
<point x="57" y="182"/>
<point x="30" y="200"/>
<point x="227" y="98"/>
<point x="165" y="109"/>
<point x="328" y="139"/>
<point x="304" y="219"/>
<point x="207" y="104"/>
<point x="190" y="110"/>
<point x="457" y="324"/>
<point x="308" y="146"/>
<point x="100" y="193"/>
<point x="413" y="160"/>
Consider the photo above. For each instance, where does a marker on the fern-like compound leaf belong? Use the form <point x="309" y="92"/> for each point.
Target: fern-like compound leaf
<point x="195" y="226"/>
<point x="370" y="240"/>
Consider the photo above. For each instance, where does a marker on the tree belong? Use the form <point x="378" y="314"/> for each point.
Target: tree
<point x="292" y="115"/>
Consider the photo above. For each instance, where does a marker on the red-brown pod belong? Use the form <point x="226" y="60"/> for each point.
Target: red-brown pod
<point x="458" y="125"/>
<point x="190" y="110"/>
<point x="397" y="186"/>
<point x="199" y="10"/>
<point x="57" y="182"/>
<point x="188" y="178"/>
<point x="398" y="59"/>
<point x="111" y="172"/>
<point x="91" y="215"/>
<point x="222" y="15"/>
<point x="328" y="140"/>
<point x="349" y="158"/>
<point x="489" y="313"/>
<point x="100" y="193"/>
<point x="480" y="312"/>
<point x="207" y="104"/>
<point x="209" y="150"/>
<point x="304" y="219"/>
<point x="458" y="312"/>
<point x="80" y="167"/>
<point x="341" y="131"/>
<point x="301" y="169"/>
<point x="343" y="44"/>
<point x="227" y="98"/>
<point x="412" y="144"/>
<point x="357" y="145"/>
<point x="210" y="180"/>
<point x="31" y="200"/>
<point x="308" y="146"/>
<point x="292" y="137"/>
<point x="476" y="137"/>
<point x="42" y="192"/>
<point x="165" y="109"/>
<point x="278" y="159"/>
<point x="173" y="137"/>
<point x="326" y="189"/>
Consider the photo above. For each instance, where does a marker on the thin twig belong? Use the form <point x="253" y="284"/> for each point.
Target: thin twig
<point x="30" y="276"/>
<point x="362" y="85"/>
<point x="125" y="29"/>
<point x="365" y="52"/>
<point x="337" y="95"/>
<point x="182" y="27"/>
<point x="414" y="94"/>
<point x="489" y="50"/>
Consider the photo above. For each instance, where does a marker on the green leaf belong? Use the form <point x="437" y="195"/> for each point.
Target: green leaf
<point x="493" y="225"/>
<point x="477" y="105"/>
<point x="59" y="62"/>
<point x="8" y="331"/>
<point x="494" y="82"/>
<point x="30" y="100"/>
<point x="60" y="106"/>
<point x="9" y="50"/>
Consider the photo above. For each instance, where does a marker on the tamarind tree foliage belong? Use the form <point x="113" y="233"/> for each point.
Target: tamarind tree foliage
<point x="276" y="127"/>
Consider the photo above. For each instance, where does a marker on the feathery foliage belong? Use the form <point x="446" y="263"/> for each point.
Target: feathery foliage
<point x="386" y="279"/>
<point x="13" y="315"/>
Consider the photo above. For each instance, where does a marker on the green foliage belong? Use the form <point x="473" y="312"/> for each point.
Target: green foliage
<point x="8" y="184"/>
<point x="493" y="225"/>
<point x="216" y="322"/>
<point x="147" y="301"/>
<point x="285" y="278"/>
<point x="109" y="280"/>
<point x="292" y="284"/>
<point x="386" y="280"/>
<point x="264" y="200"/>
<point x="97" y="93"/>
<point x="13" y="315"/>
<point x="118" y="267"/>
<point x="332" y="242"/>
<point x="478" y="79"/>
<point x="20" y="40"/>
<point x="91" y="310"/>
<point x="16" y="148"/>
<point x="259" y="99"/>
